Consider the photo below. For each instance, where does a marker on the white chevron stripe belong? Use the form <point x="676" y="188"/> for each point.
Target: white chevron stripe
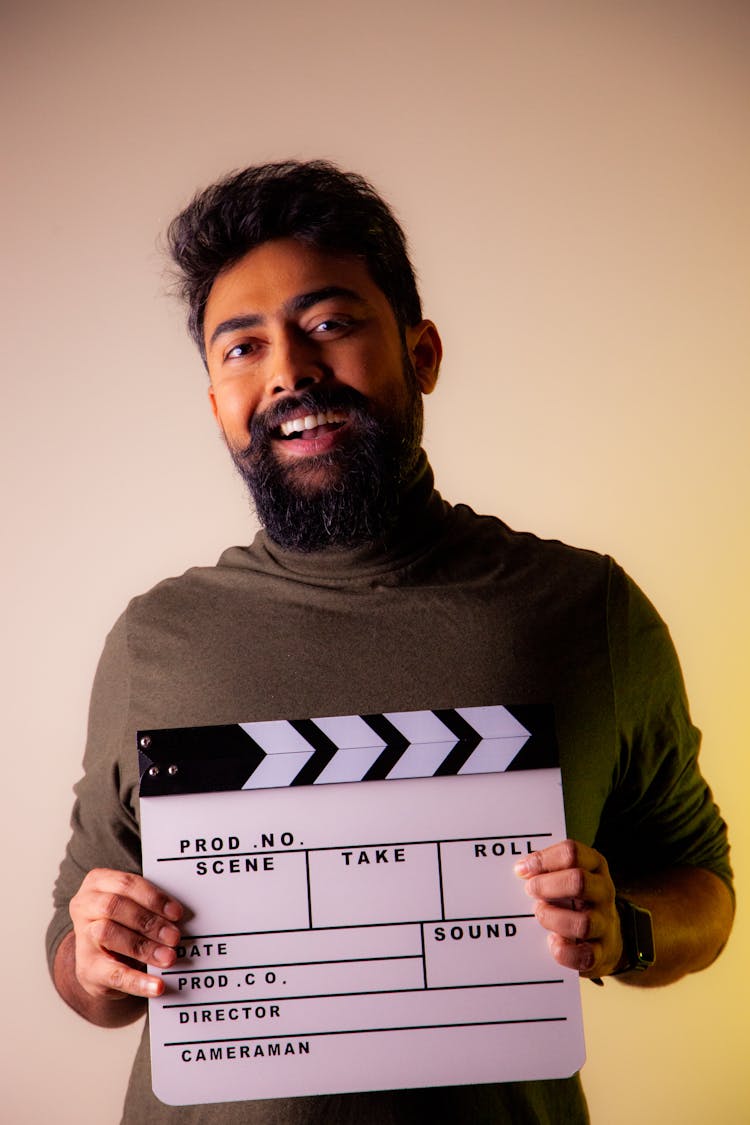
<point x="494" y="755"/>
<point x="277" y="770"/>
<point x="277" y="736"/>
<point x="422" y="726"/>
<point x="421" y="759"/>
<point x="349" y="732"/>
<point x="349" y="765"/>
<point x="492" y="722"/>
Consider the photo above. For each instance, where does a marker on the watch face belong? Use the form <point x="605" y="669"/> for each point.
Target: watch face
<point x="644" y="934"/>
<point x="637" y="936"/>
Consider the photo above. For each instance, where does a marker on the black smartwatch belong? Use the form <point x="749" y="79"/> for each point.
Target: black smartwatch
<point x="637" y="937"/>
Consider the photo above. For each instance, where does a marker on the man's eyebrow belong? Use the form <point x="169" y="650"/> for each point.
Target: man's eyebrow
<point x="315" y="296"/>
<point x="234" y="324"/>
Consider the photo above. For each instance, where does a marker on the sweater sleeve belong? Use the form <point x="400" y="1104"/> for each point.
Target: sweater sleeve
<point x="661" y="812"/>
<point x="104" y="824"/>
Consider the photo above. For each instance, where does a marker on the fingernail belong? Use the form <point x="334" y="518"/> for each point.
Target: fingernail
<point x="163" y="956"/>
<point x="173" y="911"/>
<point x="167" y="935"/>
<point x="152" y="988"/>
<point x="521" y="867"/>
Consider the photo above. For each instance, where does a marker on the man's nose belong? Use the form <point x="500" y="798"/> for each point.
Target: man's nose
<point x="294" y="364"/>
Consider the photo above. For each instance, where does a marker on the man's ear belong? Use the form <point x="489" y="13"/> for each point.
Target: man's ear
<point x="425" y="351"/>
<point x="212" y="400"/>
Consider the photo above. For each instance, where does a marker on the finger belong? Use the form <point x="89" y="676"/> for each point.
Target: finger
<point x="128" y="886"/>
<point x="127" y="914"/>
<point x="558" y="857"/>
<point x="104" y="934"/>
<point x="572" y="886"/>
<point x="104" y="975"/>
<point x="580" y="956"/>
<point x="571" y="925"/>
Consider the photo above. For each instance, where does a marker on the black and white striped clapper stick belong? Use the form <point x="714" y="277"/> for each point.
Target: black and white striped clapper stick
<point x="343" y="748"/>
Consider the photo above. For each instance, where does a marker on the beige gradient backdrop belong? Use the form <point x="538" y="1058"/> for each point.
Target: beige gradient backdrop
<point x="575" y="180"/>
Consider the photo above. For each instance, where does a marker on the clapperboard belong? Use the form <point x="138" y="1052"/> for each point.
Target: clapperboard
<point x="353" y="920"/>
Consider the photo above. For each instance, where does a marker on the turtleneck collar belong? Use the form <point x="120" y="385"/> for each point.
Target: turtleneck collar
<point x="421" y="517"/>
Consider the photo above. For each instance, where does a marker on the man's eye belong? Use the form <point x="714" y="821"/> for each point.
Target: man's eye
<point x="331" y="324"/>
<point x="237" y="351"/>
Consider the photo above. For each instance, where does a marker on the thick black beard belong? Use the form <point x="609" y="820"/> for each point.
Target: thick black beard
<point x="364" y="480"/>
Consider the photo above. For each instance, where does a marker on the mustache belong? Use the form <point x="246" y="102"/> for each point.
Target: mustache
<point x="313" y="400"/>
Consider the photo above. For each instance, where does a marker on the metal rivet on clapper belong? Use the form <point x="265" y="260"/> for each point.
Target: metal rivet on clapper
<point x="154" y="771"/>
<point x="172" y="771"/>
<point x="145" y="742"/>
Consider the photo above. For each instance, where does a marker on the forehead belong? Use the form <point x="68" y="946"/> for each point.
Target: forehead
<point x="266" y="281"/>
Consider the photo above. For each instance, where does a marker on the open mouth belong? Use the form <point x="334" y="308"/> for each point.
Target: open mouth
<point x="311" y="426"/>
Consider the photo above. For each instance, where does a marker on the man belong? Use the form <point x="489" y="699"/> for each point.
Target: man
<point x="304" y="306"/>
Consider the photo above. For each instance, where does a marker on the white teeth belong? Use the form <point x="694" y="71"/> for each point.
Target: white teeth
<point x="310" y="421"/>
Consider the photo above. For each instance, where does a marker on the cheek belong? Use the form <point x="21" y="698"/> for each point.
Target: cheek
<point x="233" y="406"/>
<point x="377" y="372"/>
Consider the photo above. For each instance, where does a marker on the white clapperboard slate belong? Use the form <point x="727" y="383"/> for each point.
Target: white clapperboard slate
<point x="354" y="922"/>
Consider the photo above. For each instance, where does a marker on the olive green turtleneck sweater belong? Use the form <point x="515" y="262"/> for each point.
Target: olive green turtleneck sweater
<point x="453" y="610"/>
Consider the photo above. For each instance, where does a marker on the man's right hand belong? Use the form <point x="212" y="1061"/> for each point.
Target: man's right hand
<point x="118" y="919"/>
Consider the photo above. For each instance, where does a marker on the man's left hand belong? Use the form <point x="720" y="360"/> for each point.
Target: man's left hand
<point x="575" y="900"/>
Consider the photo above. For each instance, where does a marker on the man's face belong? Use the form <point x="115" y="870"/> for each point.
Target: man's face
<point x="317" y="393"/>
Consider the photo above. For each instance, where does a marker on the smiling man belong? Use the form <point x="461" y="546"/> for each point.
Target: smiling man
<point x="365" y="592"/>
<point x="317" y="391"/>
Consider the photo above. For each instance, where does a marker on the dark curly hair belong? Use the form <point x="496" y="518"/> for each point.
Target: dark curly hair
<point x="314" y="202"/>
